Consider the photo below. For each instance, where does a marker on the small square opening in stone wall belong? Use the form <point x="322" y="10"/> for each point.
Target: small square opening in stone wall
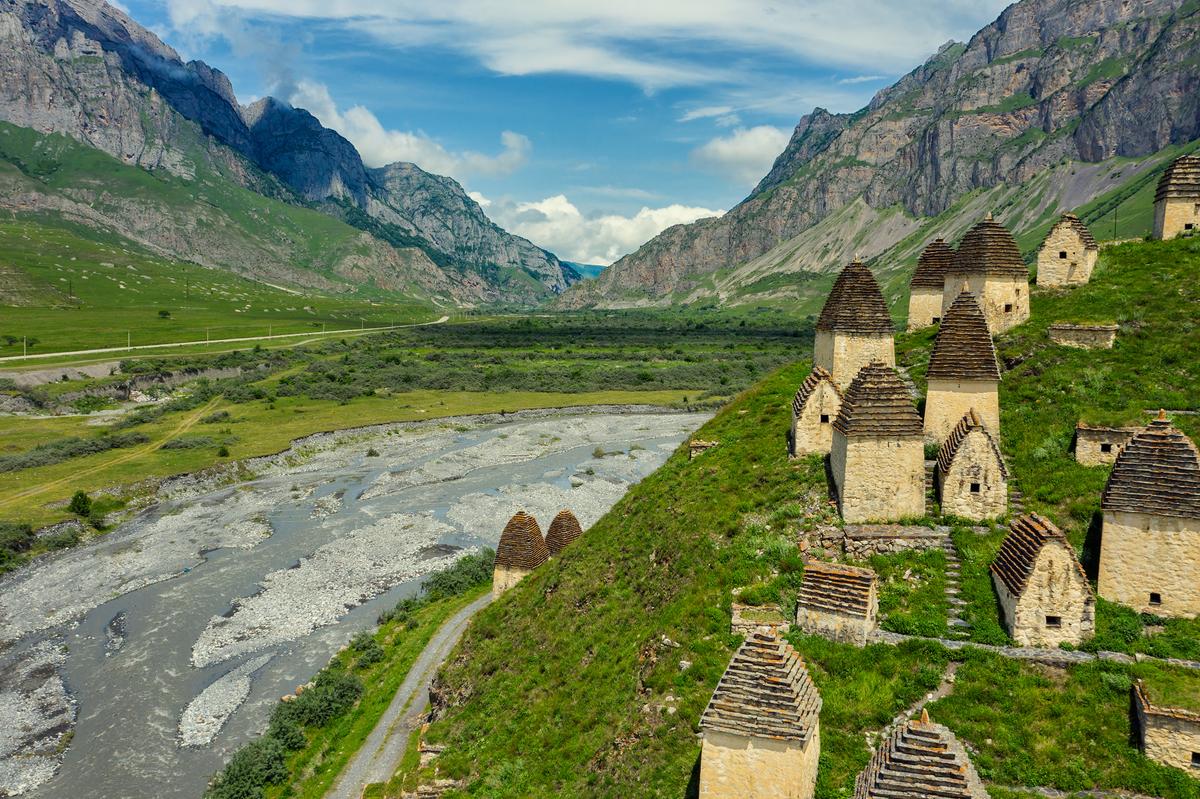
<point x="1054" y="621"/>
<point x="1188" y="226"/>
<point x="975" y="488"/>
<point x="824" y="418"/>
<point x="1195" y="759"/>
<point x="1062" y="254"/>
<point x="1155" y="598"/>
<point x="1106" y="447"/>
<point x="937" y="320"/>
<point x="1008" y="307"/>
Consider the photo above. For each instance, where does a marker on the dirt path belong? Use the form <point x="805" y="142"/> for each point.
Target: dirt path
<point x="380" y="754"/>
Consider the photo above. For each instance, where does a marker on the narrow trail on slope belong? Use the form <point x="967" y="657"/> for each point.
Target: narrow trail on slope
<point x="380" y="755"/>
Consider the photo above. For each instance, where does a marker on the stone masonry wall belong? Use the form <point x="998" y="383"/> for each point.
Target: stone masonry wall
<point x="842" y="354"/>
<point x="993" y="294"/>
<point x="1089" y="444"/>
<point x="975" y="464"/>
<point x="1054" y="589"/>
<point x="947" y="402"/>
<point x="837" y="626"/>
<point x="1172" y="216"/>
<point x="878" y="479"/>
<point x="738" y="767"/>
<point x="924" y="306"/>
<point x="1084" y="337"/>
<point x="1074" y="269"/>
<point x="809" y="433"/>
<point x="505" y="577"/>
<point x="1169" y="740"/>
<point x="1141" y="554"/>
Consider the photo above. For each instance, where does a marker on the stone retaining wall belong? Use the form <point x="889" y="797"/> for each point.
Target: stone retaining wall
<point x="1084" y="337"/>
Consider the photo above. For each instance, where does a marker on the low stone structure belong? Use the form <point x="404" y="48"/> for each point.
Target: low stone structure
<point x="1150" y="542"/>
<point x="855" y="327"/>
<point x="925" y="287"/>
<point x="838" y="602"/>
<point x="878" y="453"/>
<point x="861" y="541"/>
<point x="1177" y="199"/>
<point x="563" y="530"/>
<point x="1084" y="337"/>
<point x="1044" y="594"/>
<point x="972" y="480"/>
<point x="1167" y="735"/>
<point x="919" y="760"/>
<point x="761" y="729"/>
<point x="521" y="550"/>
<point x="963" y="374"/>
<point x="745" y="619"/>
<point x="698" y="447"/>
<point x="988" y="264"/>
<point x="1100" y="446"/>
<point x="814" y="408"/>
<point x="1068" y="254"/>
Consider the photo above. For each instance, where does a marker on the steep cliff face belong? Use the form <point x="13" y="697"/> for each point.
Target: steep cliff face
<point x="1048" y="81"/>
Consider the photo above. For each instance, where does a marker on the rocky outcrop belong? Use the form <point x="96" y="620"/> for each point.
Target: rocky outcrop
<point x="1048" y="80"/>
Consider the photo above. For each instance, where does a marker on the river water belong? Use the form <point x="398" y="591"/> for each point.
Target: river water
<point x="246" y="591"/>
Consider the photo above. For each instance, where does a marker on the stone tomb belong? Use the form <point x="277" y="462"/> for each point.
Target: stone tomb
<point x="925" y="287"/>
<point x="761" y="729"/>
<point x="855" y="327"/>
<point x="814" y="408"/>
<point x="1100" y="446"/>
<point x="972" y="480"/>
<point x="838" y="602"/>
<point x="1177" y="199"/>
<point x="563" y="530"/>
<point x="963" y="374"/>
<point x="1044" y="594"/>
<point x="1084" y="337"/>
<point x="1068" y="254"/>
<point x="1167" y="735"/>
<point x="988" y="264"/>
<point x="521" y="550"/>
<point x="1150" y="542"/>
<point x="878" y="453"/>
<point x="919" y="760"/>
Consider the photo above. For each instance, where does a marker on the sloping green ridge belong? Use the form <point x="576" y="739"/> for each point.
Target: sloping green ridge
<point x="565" y="686"/>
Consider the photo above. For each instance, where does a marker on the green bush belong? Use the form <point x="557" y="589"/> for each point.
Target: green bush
<point x="67" y="448"/>
<point x="190" y="442"/>
<point x="252" y="768"/>
<point x="81" y="504"/>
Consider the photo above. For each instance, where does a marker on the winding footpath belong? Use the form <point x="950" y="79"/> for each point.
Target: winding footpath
<point x="381" y="753"/>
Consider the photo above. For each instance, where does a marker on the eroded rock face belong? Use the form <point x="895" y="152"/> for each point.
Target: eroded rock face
<point x="1048" y="80"/>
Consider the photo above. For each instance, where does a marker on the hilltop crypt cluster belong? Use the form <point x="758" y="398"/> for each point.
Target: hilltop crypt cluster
<point x="761" y="728"/>
<point x="522" y="549"/>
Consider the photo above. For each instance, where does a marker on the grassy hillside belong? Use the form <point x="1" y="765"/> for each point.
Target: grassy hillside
<point x="588" y="679"/>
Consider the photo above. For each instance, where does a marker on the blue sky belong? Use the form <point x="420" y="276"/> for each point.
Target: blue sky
<point x="587" y="127"/>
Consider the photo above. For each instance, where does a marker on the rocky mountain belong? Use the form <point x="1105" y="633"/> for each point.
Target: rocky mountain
<point x="85" y="69"/>
<point x="1050" y="82"/>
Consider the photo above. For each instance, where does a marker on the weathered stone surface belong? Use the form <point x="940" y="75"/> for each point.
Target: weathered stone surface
<point x="1168" y="735"/>
<point x="838" y="602"/>
<point x="972" y="480"/>
<point x="814" y="408"/>
<point x="988" y="264"/>
<point x="521" y="550"/>
<point x="855" y="326"/>
<point x="1068" y="254"/>
<point x="1149" y="562"/>
<point x="1100" y="446"/>
<point x="1084" y="337"/>
<point x="918" y="760"/>
<point x="745" y="619"/>
<point x="1177" y="199"/>
<point x="563" y="530"/>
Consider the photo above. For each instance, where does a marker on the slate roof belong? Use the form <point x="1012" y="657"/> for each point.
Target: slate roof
<point x="1081" y="230"/>
<point x="878" y="404"/>
<point x="1181" y="179"/>
<point x="963" y="348"/>
<point x="856" y="304"/>
<point x="814" y="379"/>
<point x="920" y="760"/>
<point x="950" y="447"/>
<point x="765" y="692"/>
<point x="563" y="530"/>
<point x="989" y="249"/>
<point x="837" y="588"/>
<point x="1158" y="472"/>
<point x="521" y="545"/>
<point x="1018" y="555"/>
<point x="936" y="259"/>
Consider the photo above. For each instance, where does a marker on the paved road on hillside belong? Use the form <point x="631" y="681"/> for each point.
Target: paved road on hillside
<point x="380" y="754"/>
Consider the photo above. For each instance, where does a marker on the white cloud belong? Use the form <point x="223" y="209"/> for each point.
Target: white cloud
<point x="861" y="79"/>
<point x="379" y="145"/>
<point x="706" y="112"/>
<point x="744" y="155"/>
<point x="558" y="225"/>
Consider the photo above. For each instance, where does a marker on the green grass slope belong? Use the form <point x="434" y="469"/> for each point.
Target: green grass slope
<point x="588" y="679"/>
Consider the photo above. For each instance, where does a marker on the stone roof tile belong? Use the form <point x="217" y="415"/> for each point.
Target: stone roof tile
<point x="837" y="588"/>
<point x="1181" y="179"/>
<point x="521" y="544"/>
<point x="989" y="249"/>
<point x="1158" y="472"/>
<point x="817" y="376"/>
<point x="920" y="760"/>
<point x="856" y="304"/>
<point x="936" y="259"/>
<point x="878" y="404"/>
<point x="1027" y="537"/>
<point x="1076" y="224"/>
<point x="563" y="530"/>
<point x="953" y="443"/>
<point x="963" y="348"/>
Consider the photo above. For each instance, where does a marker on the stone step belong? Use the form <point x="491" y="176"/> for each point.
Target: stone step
<point x="958" y="603"/>
<point x="959" y="623"/>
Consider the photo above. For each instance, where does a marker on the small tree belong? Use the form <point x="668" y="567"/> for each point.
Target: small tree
<point x="164" y="314"/>
<point x="81" y="504"/>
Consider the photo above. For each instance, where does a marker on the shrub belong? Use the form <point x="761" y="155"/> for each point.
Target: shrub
<point x="67" y="448"/>
<point x="81" y="504"/>
<point x="223" y="452"/>
<point x="214" y="418"/>
<point x="164" y="314"/>
<point x="16" y="537"/>
<point x="189" y="442"/>
<point x="254" y="766"/>
<point x="372" y="453"/>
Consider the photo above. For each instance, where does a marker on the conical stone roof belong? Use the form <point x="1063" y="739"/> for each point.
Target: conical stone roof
<point x="1182" y="179"/>
<point x="856" y="305"/>
<point x="963" y="349"/>
<point x="765" y="692"/>
<point x="1027" y="537"/>
<point x="950" y="447"/>
<point x="989" y="249"/>
<point x="1158" y="472"/>
<point x="935" y="261"/>
<point x="1070" y="220"/>
<point x="563" y="530"/>
<point x="817" y="376"/>
<point x="920" y="760"/>
<point x="521" y="545"/>
<point x="878" y="404"/>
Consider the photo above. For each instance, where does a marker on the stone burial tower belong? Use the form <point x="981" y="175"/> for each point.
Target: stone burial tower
<point x="1068" y="254"/>
<point x="855" y="326"/>
<point x="878" y="453"/>
<point x="1044" y="593"/>
<point x="762" y="736"/>
<point x="988" y="264"/>
<point x="838" y="602"/>
<point x="920" y="760"/>
<point x="927" y="284"/>
<point x="1177" y="199"/>
<point x="521" y="550"/>
<point x="972" y="480"/>
<point x="814" y="408"/>
<point x="963" y="373"/>
<point x="1150" y="541"/>
<point x="563" y="530"/>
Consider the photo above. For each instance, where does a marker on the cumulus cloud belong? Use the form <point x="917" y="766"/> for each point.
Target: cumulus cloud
<point x="558" y="225"/>
<point x="745" y="155"/>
